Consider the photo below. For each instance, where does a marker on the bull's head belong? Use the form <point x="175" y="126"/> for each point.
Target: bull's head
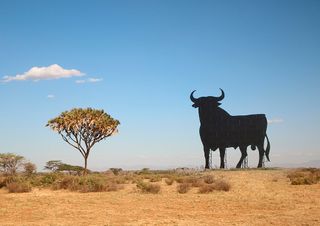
<point x="198" y="102"/>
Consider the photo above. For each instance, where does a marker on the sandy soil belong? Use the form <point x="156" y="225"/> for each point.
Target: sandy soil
<point x="257" y="197"/>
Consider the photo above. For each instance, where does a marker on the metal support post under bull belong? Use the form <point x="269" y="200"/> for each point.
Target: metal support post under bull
<point x="245" y="163"/>
<point x="210" y="159"/>
<point x="225" y="160"/>
<point x="263" y="160"/>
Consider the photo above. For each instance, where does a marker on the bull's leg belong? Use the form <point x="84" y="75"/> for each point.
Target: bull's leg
<point x="206" y="156"/>
<point x="222" y="153"/>
<point x="243" y="155"/>
<point x="261" y="154"/>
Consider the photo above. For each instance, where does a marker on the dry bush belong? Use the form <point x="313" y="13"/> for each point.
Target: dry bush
<point x="183" y="188"/>
<point x="208" y="179"/>
<point x="221" y="185"/>
<point x="179" y="179"/>
<point x="218" y="185"/>
<point x="194" y="181"/>
<point x="306" y="176"/>
<point x="66" y="182"/>
<point x="18" y="187"/>
<point x="148" y="188"/>
<point x="206" y="188"/>
<point x="2" y="181"/>
<point x="113" y="187"/>
<point x="155" y="179"/>
<point x="169" y="181"/>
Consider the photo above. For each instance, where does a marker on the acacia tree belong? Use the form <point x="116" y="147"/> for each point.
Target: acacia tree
<point x="9" y="163"/>
<point x="83" y="128"/>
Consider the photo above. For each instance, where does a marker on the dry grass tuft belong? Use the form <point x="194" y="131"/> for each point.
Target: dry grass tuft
<point x="208" y="179"/>
<point x="183" y="188"/>
<point x="148" y="188"/>
<point x="218" y="185"/>
<point x="169" y="181"/>
<point x="19" y="187"/>
<point x="306" y="176"/>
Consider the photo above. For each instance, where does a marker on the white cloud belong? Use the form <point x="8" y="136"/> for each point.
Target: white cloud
<point x="94" y="79"/>
<point x="53" y="71"/>
<point x="80" y="81"/>
<point x="50" y="96"/>
<point x="89" y="80"/>
<point x="276" y="120"/>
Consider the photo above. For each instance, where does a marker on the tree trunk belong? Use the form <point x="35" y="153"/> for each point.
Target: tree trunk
<point x="85" y="165"/>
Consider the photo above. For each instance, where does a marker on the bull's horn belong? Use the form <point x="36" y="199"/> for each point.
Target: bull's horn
<point x="222" y="96"/>
<point x="192" y="98"/>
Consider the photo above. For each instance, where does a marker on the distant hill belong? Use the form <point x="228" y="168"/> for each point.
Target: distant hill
<point x="313" y="163"/>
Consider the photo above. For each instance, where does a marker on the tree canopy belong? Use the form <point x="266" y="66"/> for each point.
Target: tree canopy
<point x="82" y="128"/>
<point x="9" y="163"/>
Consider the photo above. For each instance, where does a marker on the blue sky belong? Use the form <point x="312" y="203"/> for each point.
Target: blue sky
<point x="145" y="57"/>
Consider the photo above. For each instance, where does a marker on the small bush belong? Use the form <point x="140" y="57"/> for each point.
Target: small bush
<point x="194" y="181"/>
<point x="169" y="181"/>
<point x="29" y="168"/>
<point x="179" y="180"/>
<point x="221" y="185"/>
<point x="183" y="188"/>
<point x="113" y="187"/>
<point x="148" y="188"/>
<point x="306" y="176"/>
<point x="18" y="187"/>
<point x="91" y="184"/>
<point x="2" y="181"/>
<point x="209" y="179"/>
<point x="206" y="188"/>
<point x="116" y="171"/>
<point x="218" y="185"/>
<point x="155" y="179"/>
<point x="49" y="179"/>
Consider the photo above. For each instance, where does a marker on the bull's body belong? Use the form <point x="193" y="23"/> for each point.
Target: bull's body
<point x="219" y="130"/>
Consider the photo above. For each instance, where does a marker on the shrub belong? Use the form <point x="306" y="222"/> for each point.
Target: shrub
<point x="18" y="187"/>
<point x="183" y="188"/>
<point x="91" y="184"/>
<point x="148" y="187"/>
<point x="306" y="176"/>
<point x="209" y="179"/>
<point x="194" y="181"/>
<point x="218" y="185"/>
<point x="155" y="179"/>
<point x="206" y="188"/>
<point x="113" y="187"/>
<point x="169" y="181"/>
<point x="221" y="185"/>
<point x="49" y="178"/>
<point x="116" y="171"/>
<point x="29" y="168"/>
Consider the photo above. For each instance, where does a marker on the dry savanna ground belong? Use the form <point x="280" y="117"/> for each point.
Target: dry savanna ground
<point x="256" y="197"/>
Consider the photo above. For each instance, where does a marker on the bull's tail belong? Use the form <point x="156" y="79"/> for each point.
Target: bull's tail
<point x="268" y="148"/>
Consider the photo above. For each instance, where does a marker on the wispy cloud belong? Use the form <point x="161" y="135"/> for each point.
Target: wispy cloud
<point x="89" y="80"/>
<point x="50" y="96"/>
<point x="274" y="121"/>
<point x="53" y="71"/>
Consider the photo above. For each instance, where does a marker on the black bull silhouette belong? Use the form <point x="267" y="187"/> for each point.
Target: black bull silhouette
<point x="219" y="130"/>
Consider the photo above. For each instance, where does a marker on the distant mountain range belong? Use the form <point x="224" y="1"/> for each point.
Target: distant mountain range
<point x="313" y="163"/>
